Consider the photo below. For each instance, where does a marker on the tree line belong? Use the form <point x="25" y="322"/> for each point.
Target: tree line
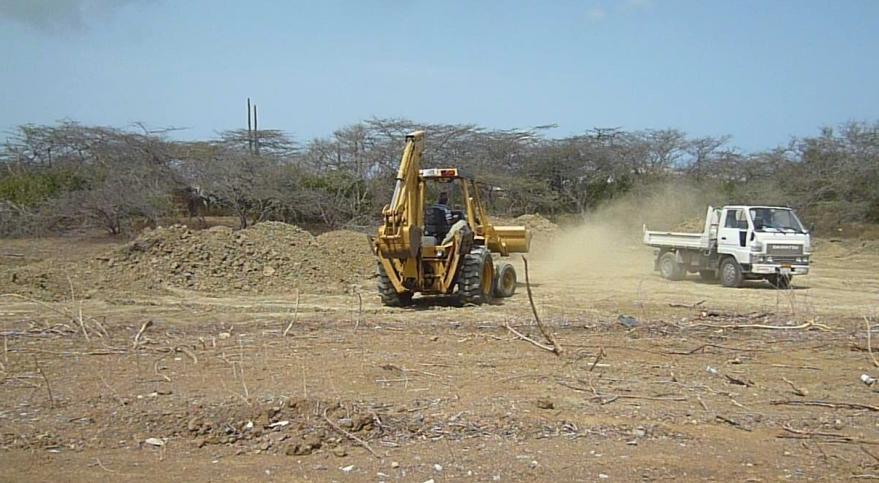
<point x="67" y="176"/>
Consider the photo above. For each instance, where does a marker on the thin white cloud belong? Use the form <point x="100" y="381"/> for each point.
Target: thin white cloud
<point x="55" y="15"/>
<point x="638" y="5"/>
<point x="602" y="11"/>
<point x="596" y="14"/>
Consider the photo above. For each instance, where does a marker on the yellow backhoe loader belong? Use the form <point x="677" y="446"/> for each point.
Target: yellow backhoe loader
<point x="437" y="250"/>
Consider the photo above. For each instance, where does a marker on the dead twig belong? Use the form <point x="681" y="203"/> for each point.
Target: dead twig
<point x="146" y="325"/>
<point x="46" y="380"/>
<point x="803" y="326"/>
<point x="188" y="352"/>
<point x="78" y="318"/>
<point x="871" y="455"/>
<point x="826" y="404"/>
<point x="789" y="366"/>
<point x="609" y="398"/>
<point x="652" y="398"/>
<point x="740" y="382"/>
<point x="556" y="347"/>
<point x="348" y="435"/>
<point x="832" y="437"/>
<point x="359" y="309"/>
<point x="687" y="306"/>
<point x="295" y="313"/>
<point x="797" y="390"/>
<point x="101" y="465"/>
<point x="46" y="306"/>
<point x="156" y="370"/>
<point x="702" y="403"/>
<point x="598" y="357"/>
<point x="869" y="347"/>
<point x="528" y="339"/>
<point x="702" y="348"/>
<point x="731" y="422"/>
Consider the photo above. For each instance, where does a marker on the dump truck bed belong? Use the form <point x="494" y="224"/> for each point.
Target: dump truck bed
<point x="668" y="239"/>
<point x="693" y="241"/>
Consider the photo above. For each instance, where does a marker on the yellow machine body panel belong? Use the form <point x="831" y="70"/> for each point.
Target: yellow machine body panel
<point x="413" y="262"/>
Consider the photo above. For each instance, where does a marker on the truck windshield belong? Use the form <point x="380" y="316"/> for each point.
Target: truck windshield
<point x="775" y="220"/>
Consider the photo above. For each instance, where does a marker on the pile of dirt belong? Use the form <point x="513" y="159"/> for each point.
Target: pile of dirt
<point x="844" y="248"/>
<point x="536" y="224"/>
<point x="268" y="257"/>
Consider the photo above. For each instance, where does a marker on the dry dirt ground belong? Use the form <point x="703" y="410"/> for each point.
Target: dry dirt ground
<point x="699" y="383"/>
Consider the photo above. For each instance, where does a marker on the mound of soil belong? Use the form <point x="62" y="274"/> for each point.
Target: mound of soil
<point x="536" y="223"/>
<point x="268" y="257"/>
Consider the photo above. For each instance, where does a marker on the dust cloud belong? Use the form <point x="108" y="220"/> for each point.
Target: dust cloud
<point x="606" y="242"/>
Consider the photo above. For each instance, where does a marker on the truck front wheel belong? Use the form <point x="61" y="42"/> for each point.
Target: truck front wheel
<point x="731" y="273"/>
<point x="669" y="267"/>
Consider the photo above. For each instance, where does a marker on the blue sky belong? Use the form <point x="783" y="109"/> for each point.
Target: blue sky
<point x="761" y="71"/>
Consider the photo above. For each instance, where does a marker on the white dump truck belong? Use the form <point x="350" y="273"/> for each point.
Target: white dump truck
<point x="737" y="243"/>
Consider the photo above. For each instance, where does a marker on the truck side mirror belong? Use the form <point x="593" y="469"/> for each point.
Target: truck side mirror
<point x="811" y="228"/>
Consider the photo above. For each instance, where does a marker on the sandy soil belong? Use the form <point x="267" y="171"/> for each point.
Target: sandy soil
<point x="749" y="384"/>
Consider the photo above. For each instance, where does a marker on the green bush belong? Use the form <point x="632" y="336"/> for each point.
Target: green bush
<point x="32" y="188"/>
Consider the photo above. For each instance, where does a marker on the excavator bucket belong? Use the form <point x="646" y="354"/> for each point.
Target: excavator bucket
<point x="509" y="239"/>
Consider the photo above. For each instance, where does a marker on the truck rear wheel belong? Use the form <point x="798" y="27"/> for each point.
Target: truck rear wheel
<point x="669" y="267"/>
<point x="476" y="280"/>
<point x="504" y="280"/>
<point x="389" y="295"/>
<point x="731" y="273"/>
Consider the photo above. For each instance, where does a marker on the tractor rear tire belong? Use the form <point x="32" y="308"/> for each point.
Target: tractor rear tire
<point x="389" y="295"/>
<point x="731" y="273"/>
<point x="476" y="280"/>
<point x="504" y="280"/>
<point x="669" y="267"/>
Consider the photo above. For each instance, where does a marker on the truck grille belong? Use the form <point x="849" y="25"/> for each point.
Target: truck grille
<point x="786" y="249"/>
<point x="785" y="260"/>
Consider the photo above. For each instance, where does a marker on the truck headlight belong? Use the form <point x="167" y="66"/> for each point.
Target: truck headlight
<point x="756" y="247"/>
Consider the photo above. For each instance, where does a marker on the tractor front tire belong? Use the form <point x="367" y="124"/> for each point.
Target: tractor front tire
<point x="504" y="280"/>
<point x="476" y="280"/>
<point x="389" y="295"/>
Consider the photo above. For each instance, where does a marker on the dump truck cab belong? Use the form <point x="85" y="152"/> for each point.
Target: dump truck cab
<point x="765" y="240"/>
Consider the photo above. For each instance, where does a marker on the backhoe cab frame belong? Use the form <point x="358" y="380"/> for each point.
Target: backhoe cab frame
<point x="412" y="262"/>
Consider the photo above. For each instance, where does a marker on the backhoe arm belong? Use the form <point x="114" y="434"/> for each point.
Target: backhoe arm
<point x="400" y="236"/>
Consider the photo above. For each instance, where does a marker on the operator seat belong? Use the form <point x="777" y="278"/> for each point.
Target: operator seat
<point x="436" y="226"/>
